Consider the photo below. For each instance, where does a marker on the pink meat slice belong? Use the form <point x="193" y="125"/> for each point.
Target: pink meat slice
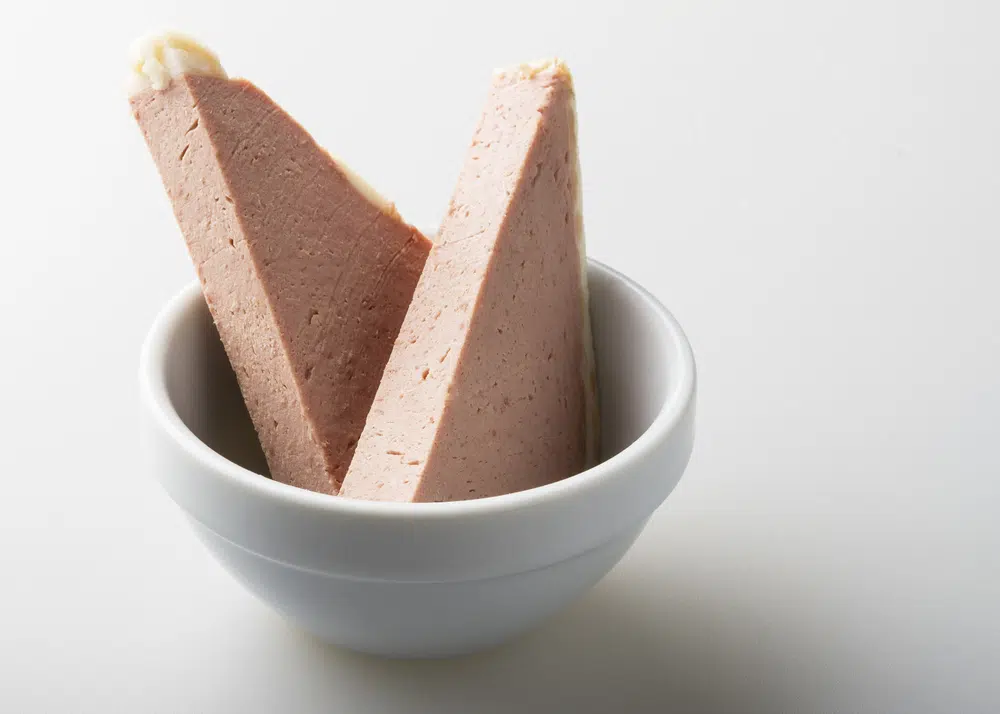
<point x="490" y="386"/>
<point x="307" y="277"/>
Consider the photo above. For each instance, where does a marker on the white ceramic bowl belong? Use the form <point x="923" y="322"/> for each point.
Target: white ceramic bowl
<point x="429" y="579"/>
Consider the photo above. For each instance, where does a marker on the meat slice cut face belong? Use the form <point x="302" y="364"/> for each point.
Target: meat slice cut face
<point x="307" y="272"/>
<point x="490" y="387"/>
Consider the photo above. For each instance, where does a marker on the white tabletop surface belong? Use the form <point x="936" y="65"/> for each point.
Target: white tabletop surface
<point x="812" y="188"/>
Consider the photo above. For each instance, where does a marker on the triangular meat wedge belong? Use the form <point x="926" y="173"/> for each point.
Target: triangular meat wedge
<point x="307" y="271"/>
<point x="490" y="387"/>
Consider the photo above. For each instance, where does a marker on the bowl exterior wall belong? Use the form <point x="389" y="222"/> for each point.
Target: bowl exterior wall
<point x="410" y="619"/>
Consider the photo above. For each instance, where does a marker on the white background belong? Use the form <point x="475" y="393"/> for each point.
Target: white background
<point x="813" y="188"/>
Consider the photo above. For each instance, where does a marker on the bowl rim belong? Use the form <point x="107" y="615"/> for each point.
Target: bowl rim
<point x="157" y="401"/>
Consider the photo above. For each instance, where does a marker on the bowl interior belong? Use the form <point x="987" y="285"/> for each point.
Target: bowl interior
<point x="636" y="368"/>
